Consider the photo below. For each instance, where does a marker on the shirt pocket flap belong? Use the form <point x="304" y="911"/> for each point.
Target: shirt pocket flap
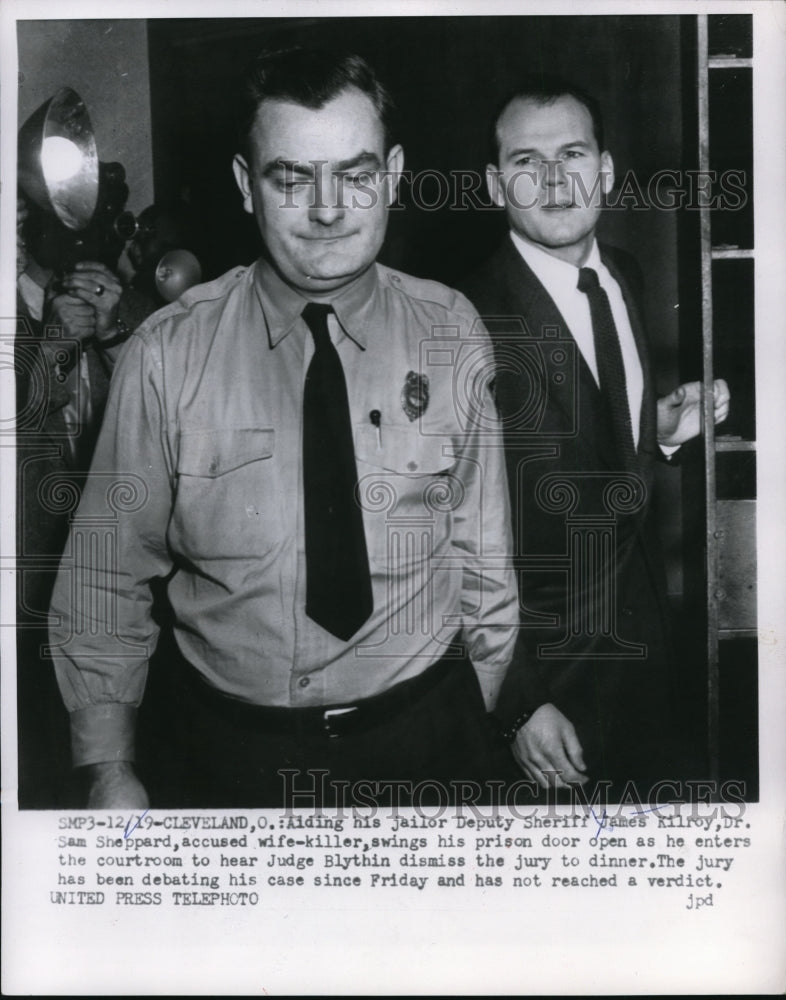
<point x="212" y="453"/>
<point x="404" y="450"/>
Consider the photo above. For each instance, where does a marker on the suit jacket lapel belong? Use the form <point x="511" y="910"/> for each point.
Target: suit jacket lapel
<point x="578" y="397"/>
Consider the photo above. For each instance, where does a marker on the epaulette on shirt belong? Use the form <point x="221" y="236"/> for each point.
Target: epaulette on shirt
<point x="206" y="292"/>
<point x="424" y="290"/>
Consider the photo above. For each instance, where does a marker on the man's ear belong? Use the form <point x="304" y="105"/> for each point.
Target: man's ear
<point x="607" y="171"/>
<point x="394" y="166"/>
<point x="243" y="179"/>
<point x="495" y="185"/>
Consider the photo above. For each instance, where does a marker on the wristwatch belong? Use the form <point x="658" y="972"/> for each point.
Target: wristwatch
<point x="124" y="331"/>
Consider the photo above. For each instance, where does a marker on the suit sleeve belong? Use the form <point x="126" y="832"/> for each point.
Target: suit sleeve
<point x="521" y="693"/>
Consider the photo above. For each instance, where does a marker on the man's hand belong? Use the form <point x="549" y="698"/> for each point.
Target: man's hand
<point x="115" y="786"/>
<point x="77" y="318"/>
<point x="548" y="742"/>
<point x="94" y="285"/>
<point x="679" y="413"/>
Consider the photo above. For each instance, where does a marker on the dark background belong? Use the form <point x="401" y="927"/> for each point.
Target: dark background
<point x="446" y="75"/>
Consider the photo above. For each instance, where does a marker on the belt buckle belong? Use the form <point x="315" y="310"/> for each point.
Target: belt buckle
<point x="331" y="713"/>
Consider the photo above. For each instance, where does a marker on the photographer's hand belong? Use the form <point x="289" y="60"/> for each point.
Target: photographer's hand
<point x="73" y="315"/>
<point x="95" y="285"/>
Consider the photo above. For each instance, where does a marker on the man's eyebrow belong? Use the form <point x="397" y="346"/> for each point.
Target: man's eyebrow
<point x="280" y="166"/>
<point x="291" y="167"/>
<point x="363" y="159"/>
<point x="530" y="150"/>
<point x="520" y="151"/>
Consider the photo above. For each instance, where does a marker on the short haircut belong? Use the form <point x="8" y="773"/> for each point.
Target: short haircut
<point x="311" y="78"/>
<point x="544" y="90"/>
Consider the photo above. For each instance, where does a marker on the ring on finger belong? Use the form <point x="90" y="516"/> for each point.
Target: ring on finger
<point x="99" y="289"/>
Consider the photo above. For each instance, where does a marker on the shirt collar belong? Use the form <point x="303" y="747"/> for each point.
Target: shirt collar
<point x="282" y="305"/>
<point x="553" y="273"/>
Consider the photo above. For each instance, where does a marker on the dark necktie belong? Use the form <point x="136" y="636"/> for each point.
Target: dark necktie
<point x="338" y="584"/>
<point x="611" y="370"/>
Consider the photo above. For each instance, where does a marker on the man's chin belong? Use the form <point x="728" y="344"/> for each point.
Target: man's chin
<point x="326" y="279"/>
<point x="565" y="236"/>
<point x="330" y="279"/>
<point x="566" y="224"/>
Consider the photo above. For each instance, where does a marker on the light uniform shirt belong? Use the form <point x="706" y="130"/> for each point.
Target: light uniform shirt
<point x="204" y="424"/>
<point x="560" y="279"/>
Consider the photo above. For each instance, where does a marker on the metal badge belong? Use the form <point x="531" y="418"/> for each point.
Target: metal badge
<point x="414" y="395"/>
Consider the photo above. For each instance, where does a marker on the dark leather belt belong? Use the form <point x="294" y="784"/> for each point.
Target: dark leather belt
<point x="329" y="720"/>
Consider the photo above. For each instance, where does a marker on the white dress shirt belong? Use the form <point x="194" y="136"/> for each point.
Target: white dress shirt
<point x="560" y="279"/>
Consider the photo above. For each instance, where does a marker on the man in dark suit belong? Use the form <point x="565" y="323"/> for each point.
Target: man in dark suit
<point x="586" y="697"/>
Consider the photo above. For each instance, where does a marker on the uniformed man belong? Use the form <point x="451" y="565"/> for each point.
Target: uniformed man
<point x="307" y="448"/>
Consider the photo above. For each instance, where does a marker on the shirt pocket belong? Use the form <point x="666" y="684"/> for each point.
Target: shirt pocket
<point x="408" y="491"/>
<point x="226" y="503"/>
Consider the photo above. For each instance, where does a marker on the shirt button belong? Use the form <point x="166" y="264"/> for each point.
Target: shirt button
<point x="304" y="682"/>
<point x="627" y="611"/>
